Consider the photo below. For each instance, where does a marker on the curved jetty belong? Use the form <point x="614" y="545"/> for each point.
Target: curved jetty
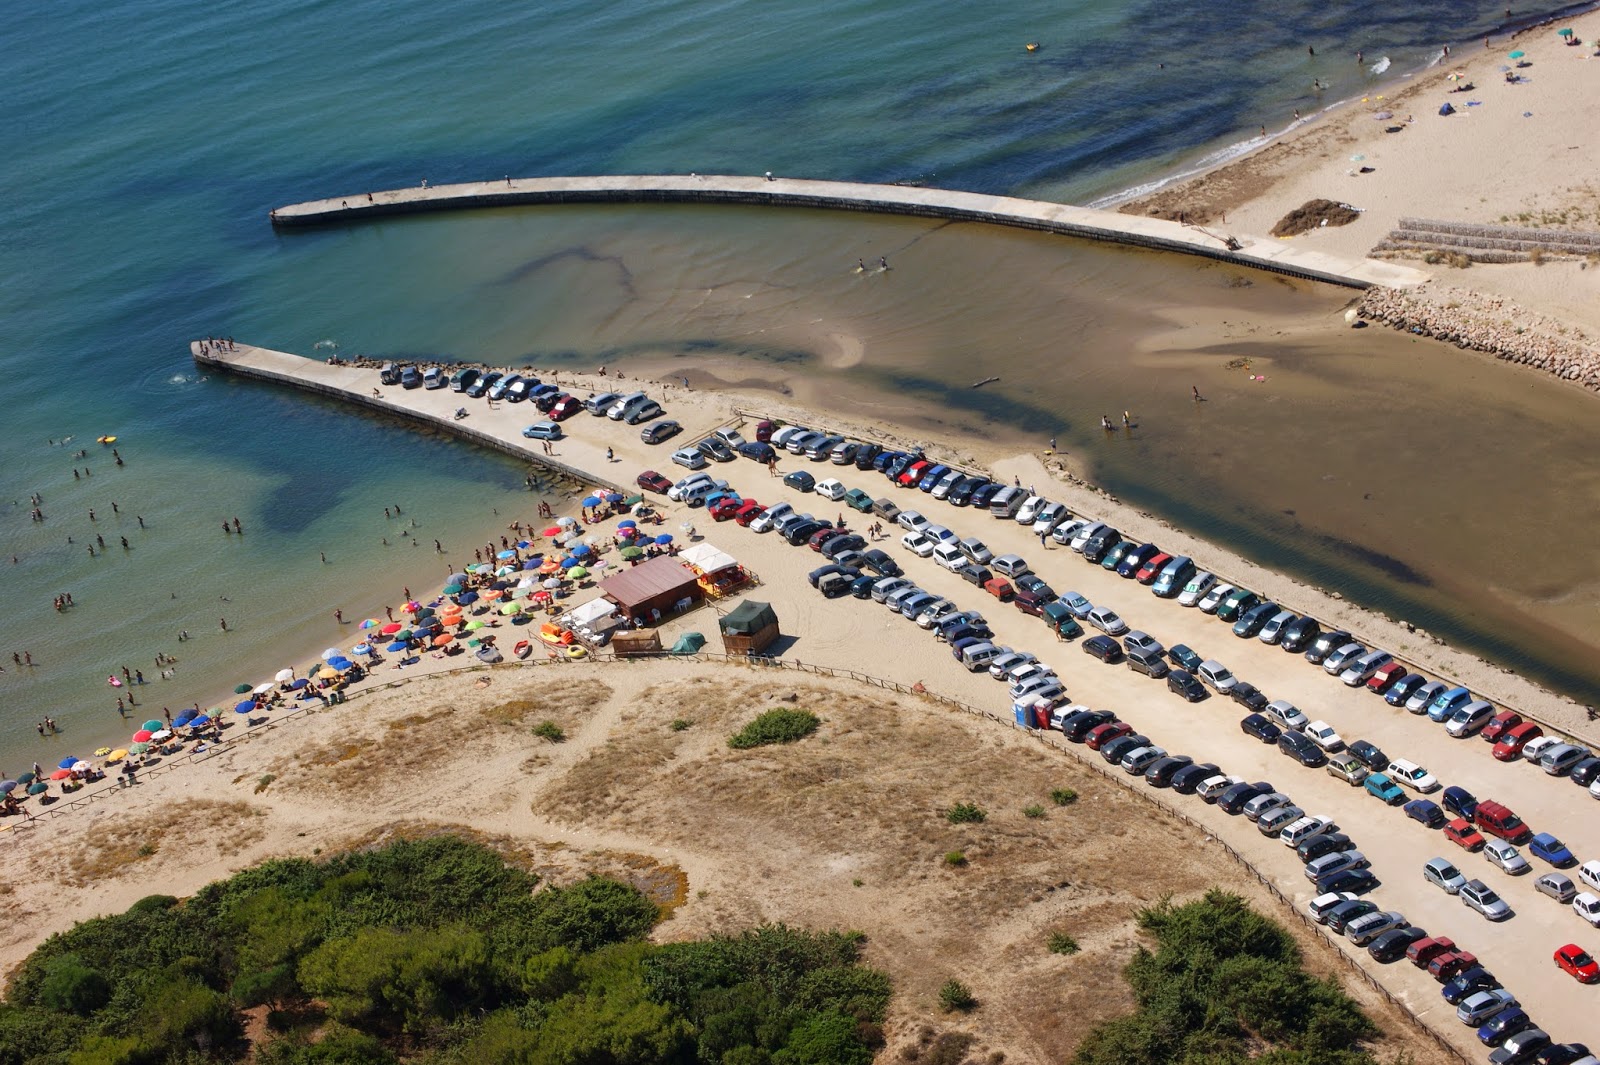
<point x="1263" y="253"/>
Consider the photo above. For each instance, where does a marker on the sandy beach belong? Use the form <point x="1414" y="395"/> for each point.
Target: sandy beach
<point x="413" y="752"/>
<point x="1517" y="154"/>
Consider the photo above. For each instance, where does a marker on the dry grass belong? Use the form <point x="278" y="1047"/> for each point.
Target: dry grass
<point x="121" y="846"/>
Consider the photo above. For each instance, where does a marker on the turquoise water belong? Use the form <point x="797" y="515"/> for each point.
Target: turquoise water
<point x="146" y="142"/>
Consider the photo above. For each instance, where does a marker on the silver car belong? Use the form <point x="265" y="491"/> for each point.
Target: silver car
<point x="1441" y="873"/>
<point x="1507" y="857"/>
<point x="1196" y="589"/>
<point x="1107" y="621"/>
<point x="1481" y="897"/>
<point x="1365" y="929"/>
<point x="1558" y="886"/>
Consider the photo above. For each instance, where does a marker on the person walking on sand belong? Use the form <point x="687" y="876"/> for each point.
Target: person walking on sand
<point x="1196" y="390"/>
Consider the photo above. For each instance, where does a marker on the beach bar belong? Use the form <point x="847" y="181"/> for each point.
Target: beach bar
<point x="654" y="589"/>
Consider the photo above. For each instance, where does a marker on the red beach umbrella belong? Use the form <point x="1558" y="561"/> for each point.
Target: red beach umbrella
<point x="142" y="736"/>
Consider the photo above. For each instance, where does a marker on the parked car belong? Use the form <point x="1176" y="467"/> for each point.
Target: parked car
<point x="1587" y="905"/>
<point x="1322" y="734"/>
<point x="1383" y="788"/>
<point x="1298" y="634"/>
<point x="1578" y="964"/>
<point x="543" y="431"/>
<point x="663" y="430"/>
<point x="1385" y="677"/>
<point x="1369" y="754"/>
<point x="1503" y="1025"/>
<point x="1459" y="802"/>
<point x="1107" y="621"/>
<point x="1341" y="915"/>
<point x="1341" y="658"/>
<point x="1556" y="885"/>
<point x="1442" y="873"/>
<point x="1419" y="700"/>
<point x="1363" y="930"/>
<point x="799" y="480"/>
<point x="1259" y="727"/>
<point x="1184" y="658"/>
<point x="1079" y="606"/>
<point x="1235" y="603"/>
<point x="1426" y="813"/>
<point x="1348" y="768"/>
<point x="691" y="458"/>
<point x="1250" y="622"/>
<point x="1248" y="696"/>
<point x="1392" y="945"/>
<point x="1497" y="819"/>
<point x="1412" y="776"/>
<point x="1320" y="906"/>
<point x="1212" y="600"/>
<point x="1183" y="683"/>
<point x="1481" y="897"/>
<point x="1104" y="648"/>
<point x="1297" y="746"/>
<point x="1187" y="780"/>
<point x="1468" y="719"/>
<point x="1479" y="1007"/>
<point x="1404" y="688"/>
<point x="1461" y="974"/>
<point x="1272" y="631"/>
<point x="1548" y="848"/>
<point x="1196" y="588"/>
<point x="1507" y="857"/>
<point x="1425" y="950"/>
<point x="653" y="481"/>
<point x="1464" y="835"/>
<point x="1216" y="676"/>
<point x="1286" y="714"/>
<point x="1324" y="644"/>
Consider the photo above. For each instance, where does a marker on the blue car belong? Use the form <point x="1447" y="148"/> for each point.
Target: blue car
<point x="1552" y="850"/>
<point x="1459" y="802"/>
<point x="1446" y="702"/>
<point x="1503" y="1026"/>
<point x="1426" y="813"/>
<point x="1382" y="787"/>
<point x="932" y="477"/>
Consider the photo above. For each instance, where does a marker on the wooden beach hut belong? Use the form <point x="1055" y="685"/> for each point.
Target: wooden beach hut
<point x="749" y="628"/>
<point x="653" y="589"/>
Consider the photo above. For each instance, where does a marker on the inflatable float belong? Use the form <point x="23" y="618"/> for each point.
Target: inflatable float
<point x="107" y="440"/>
<point x="552" y="633"/>
<point x="523" y="649"/>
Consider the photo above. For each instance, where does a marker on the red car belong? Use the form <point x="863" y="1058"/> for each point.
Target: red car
<point x="748" y="513"/>
<point x="654" y="481"/>
<point x="1499" y="725"/>
<point x="1462" y="834"/>
<point x="1101" y="735"/>
<point x="1446" y="967"/>
<point x="1386" y="678"/>
<point x="1575" y="961"/>
<point x="1509" y="747"/>
<point x="764" y="430"/>
<point x="1423" y="951"/>
<point x="565" y="407"/>
<point x="913" y="473"/>
<point x="725" y="508"/>
<point x="1152" y="568"/>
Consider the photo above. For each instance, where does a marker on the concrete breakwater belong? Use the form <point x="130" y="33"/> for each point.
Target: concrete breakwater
<point x="1489" y="324"/>
<point x="1262" y="253"/>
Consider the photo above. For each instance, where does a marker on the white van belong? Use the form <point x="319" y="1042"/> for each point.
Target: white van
<point x="1006" y="502"/>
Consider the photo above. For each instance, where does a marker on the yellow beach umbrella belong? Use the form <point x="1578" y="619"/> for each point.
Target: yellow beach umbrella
<point x="116" y="756"/>
<point x="510" y="608"/>
<point x="326" y="673"/>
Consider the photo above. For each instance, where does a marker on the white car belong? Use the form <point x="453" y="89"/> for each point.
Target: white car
<point x="1030" y="509"/>
<point x="934" y="611"/>
<point x="1211" y="600"/>
<point x="1009" y="661"/>
<point x="832" y="489"/>
<point x="1322" y="734"/>
<point x="917" y="544"/>
<point x="1196" y="589"/>
<point x="1587" y="906"/>
<point x="950" y="556"/>
<point x="1107" y="621"/>
<point x="675" y="493"/>
<point x="1412" y="775"/>
<point x="912" y="520"/>
<point x="1050" y="516"/>
<point x="1532" y="750"/>
<point x="1066" y="531"/>
<point x="770" y="517"/>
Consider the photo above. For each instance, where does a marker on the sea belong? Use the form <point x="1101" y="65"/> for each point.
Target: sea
<point x="146" y="142"/>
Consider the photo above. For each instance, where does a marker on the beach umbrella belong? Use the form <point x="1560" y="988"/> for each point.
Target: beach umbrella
<point x="138" y="748"/>
<point x="566" y="520"/>
<point x="540" y="597"/>
<point x="474" y="626"/>
<point x="81" y="767"/>
<point x="8" y="786"/>
<point x="403" y="634"/>
<point x="201" y="721"/>
<point x="1515" y="55"/>
<point x="510" y="608"/>
<point x="597" y="565"/>
<point x="263" y="688"/>
<point x="412" y="606"/>
<point x="440" y="641"/>
<point x="456" y="578"/>
<point x="38" y="787"/>
<point x="633" y="500"/>
<point x="387" y="630"/>
<point x="581" y="550"/>
<point x="492" y="594"/>
<point x="283" y="675"/>
<point x="361" y="649"/>
<point x="664" y="539"/>
<point x="61" y="774"/>
<point x="26" y="778"/>
<point x="67" y="762"/>
<point x="240" y="689"/>
<point x="591" y="501"/>
<point x="554" y="530"/>
<point x="481" y="567"/>
<point x="569" y="562"/>
<point x="331" y="652"/>
<point x="613" y="497"/>
<point x="506" y="554"/>
<point x="549" y="565"/>
<point x="398" y="645"/>
<point x="504" y="570"/>
<point x="153" y="724"/>
<point x="531" y="563"/>
<point x="467" y="598"/>
<point x="1564" y="33"/>
<point x="116" y="756"/>
<point x="299" y="684"/>
<point x="102" y="751"/>
<point x="631" y="553"/>
<point x="242" y="708"/>
<point x="370" y="623"/>
<point x="328" y="672"/>
<point x="163" y="734"/>
<point x="627" y="523"/>
<point x="577" y="573"/>
<point x="182" y="719"/>
<point x="425" y="612"/>
<point x="552" y="583"/>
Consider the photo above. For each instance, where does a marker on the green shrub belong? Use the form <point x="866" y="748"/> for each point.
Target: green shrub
<point x="956" y="997"/>
<point x="1033" y="812"/>
<point x="679" y="724"/>
<point x="955" y="858"/>
<point x="964" y="813"/>
<point x="1061" y="943"/>
<point x="1063" y="796"/>
<point x="551" y="731"/>
<point x="70" y="986"/>
<point x="775" y="726"/>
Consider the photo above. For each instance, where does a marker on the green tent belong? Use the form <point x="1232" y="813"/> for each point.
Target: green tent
<point x="689" y="643"/>
<point x="748" y="618"/>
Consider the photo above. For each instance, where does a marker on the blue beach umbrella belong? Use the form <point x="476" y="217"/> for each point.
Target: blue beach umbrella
<point x="184" y="718"/>
<point x="299" y="684"/>
<point x="203" y="719"/>
<point x="523" y="545"/>
<point x="7" y="787"/>
<point x="467" y="597"/>
<point x="569" y="562"/>
<point x="628" y="524"/>
<point x="532" y="563"/>
<point x="582" y="550"/>
<point x="68" y="762"/>
<point x="398" y="645"/>
<point x="361" y="649"/>
<point x="591" y="501"/>
<point x="244" y="707"/>
<point x="506" y="554"/>
<point x="664" y="539"/>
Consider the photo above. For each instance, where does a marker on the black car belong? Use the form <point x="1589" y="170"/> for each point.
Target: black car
<point x="757" y="451"/>
<point x="1369" y="755"/>
<point x="1096" y="547"/>
<point x="1325" y="644"/>
<point x="960" y="632"/>
<point x="1252" y="621"/>
<point x="1113" y="751"/>
<point x="1584" y="773"/>
<point x="1355" y="881"/>
<point x="866" y="454"/>
<point x="800" y="481"/>
<point x="1346" y="912"/>
<point x="464" y="380"/>
<point x="1247" y="696"/>
<point x="1468" y="983"/>
<point x="1190" y="777"/>
<point x="660" y="431"/>
<point x="983" y="493"/>
<point x="1259" y="727"/>
<point x="1104" y="648"/>
<point x="1032" y="582"/>
<point x="834" y="546"/>
<point x="801" y="531"/>
<point x="974" y="574"/>
<point x="880" y="563"/>
<point x="963" y="492"/>
<point x="1404" y="688"/>
<point x="1233" y="800"/>
<point x="1134" y="560"/>
<point x="897" y="467"/>
<point x="1392" y="945"/>
<point x="712" y="448"/>
<point x="1161" y="773"/>
<point x="1298" y="634"/>
<point x="1184" y="683"/>
<point x="1323" y="843"/>
<point x="861" y="588"/>
<point x="483" y="384"/>
<point x="1561" y="1054"/>
<point x="1298" y="745"/>
<point x="546" y="401"/>
<point x="1077" y="726"/>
